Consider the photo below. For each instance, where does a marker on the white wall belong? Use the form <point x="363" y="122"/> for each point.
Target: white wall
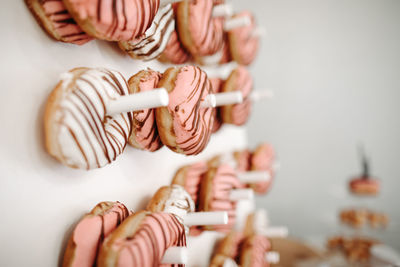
<point x="336" y="69"/>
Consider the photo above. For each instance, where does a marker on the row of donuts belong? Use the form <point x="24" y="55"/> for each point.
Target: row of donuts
<point x="132" y="244"/>
<point x="150" y="29"/>
<point x="111" y="235"/>
<point x="92" y="114"/>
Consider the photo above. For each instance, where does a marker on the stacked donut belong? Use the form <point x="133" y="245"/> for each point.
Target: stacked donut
<point x="149" y="29"/>
<point x="92" y="114"/>
<point x="213" y="184"/>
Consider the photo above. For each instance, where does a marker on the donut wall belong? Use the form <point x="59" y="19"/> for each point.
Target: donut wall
<point x="44" y="196"/>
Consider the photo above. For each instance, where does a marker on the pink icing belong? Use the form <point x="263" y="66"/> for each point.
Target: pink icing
<point x="192" y="124"/>
<point x="174" y="51"/>
<point x="206" y="32"/>
<point x="158" y="231"/>
<point x="244" y="82"/>
<point x="259" y="246"/>
<point x="145" y="131"/>
<point x="117" y="20"/>
<point x="246" y="44"/>
<point x="193" y="178"/>
<point x="262" y="160"/>
<point x="91" y="231"/>
<point x="223" y="182"/>
<point x="216" y="84"/>
<point x="63" y="23"/>
<point x="226" y="52"/>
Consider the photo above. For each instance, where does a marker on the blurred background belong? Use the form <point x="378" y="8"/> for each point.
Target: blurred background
<point x="335" y="68"/>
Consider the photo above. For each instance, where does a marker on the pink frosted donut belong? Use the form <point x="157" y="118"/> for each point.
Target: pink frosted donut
<point x="216" y="84"/>
<point x="253" y="251"/>
<point x="199" y="32"/>
<point x="89" y="233"/>
<point x="262" y="159"/>
<point x="184" y="126"/>
<point x="141" y="240"/>
<point x="57" y="22"/>
<point x="215" y="194"/>
<point x="144" y="133"/>
<point x="113" y="20"/>
<point x="238" y="114"/>
<point x="243" y="44"/>
<point x="174" y="52"/>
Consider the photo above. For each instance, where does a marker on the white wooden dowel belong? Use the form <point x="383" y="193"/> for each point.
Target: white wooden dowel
<point x="206" y="218"/>
<point x="222" y="10"/>
<point x="274" y="232"/>
<point x="272" y="257"/>
<point x="139" y="101"/>
<point x="241" y="194"/>
<point x="258" y="95"/>
<point x="175" y="255"/>
<point x="238" y="22"/>
<point x="209" y="102"/>
<point x="254" y="176"/>
<point x="229" y="263"/>
<point x="228" y="98"/>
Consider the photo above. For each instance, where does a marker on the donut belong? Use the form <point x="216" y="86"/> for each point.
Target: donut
<point x="155" y="39"/>
<point x="78" y="132"/>
<point x="89" y="233"/>
<point x="200" y="33"/>
<point x="144" y="133"/>
<point x="184" y="126"/>
<point x="227" y="248"/>
<point x="253" y="250"/>
<point x="57" y="22"/>
<point x="238" y="114"/>
<point x="141" y="240"/>
<point x="216" y="84"/>
<point x="222" y="56"/>
<point x="172" y="199"/>
<point x="215" y="191"/>
<point x="262" y="159"/>
<point x="116" y="20"/>
<point x="174" y="52"/>
<point x="190" y="177"/>
<point x="243" y="45"/>
<point x="242" y="158"/>
<point x="364" y="185"/>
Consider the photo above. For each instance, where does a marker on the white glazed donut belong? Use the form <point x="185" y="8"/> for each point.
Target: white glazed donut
<point x="78" y="131"/>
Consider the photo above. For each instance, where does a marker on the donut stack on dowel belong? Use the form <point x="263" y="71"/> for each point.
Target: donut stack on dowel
<point x="176" y="32"/>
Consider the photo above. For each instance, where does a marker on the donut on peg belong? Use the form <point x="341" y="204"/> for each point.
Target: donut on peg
<point x="199" y="31"/>
<point x="153" y="42"/>
<point x="216" y="84"/>
<point x="57" y="22"/>
<point x="243" y="42"/>
<point x="239" y="80"/>
<point x="253" y="251"/>
<point x="215" y="194"/>
<point x="89" y="233"/>
<point x="262" y="159"/>
<point x="190" y="177"/>
<point x="117" y="20"/>
<point x="144" y="133"/>
<point x="78" y="131"/>
<point x="174" y="52"/>
<point x="141" y="240"/>
<point x="227" y="249"/>
<point x="185" y="124"/>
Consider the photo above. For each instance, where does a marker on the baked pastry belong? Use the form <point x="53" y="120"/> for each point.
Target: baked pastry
<point x="226" y="249"/>
<point x="243" y="43"/>
<point x="57" y="22"/>
<point x="119" y="20"/>
<point x="153" y="42"/>
<point x="184" y="125"/>
<point x="190" y="177"/>
<point x="174" y="52"/>
<point x="216" y="84"/>
<point x="262" y="159"/>
<point x="144" y="133"/>
<point x="239" y="80"/>
<point x="141" y="240"/>
<point x="78" y="131"/>
<point x="89" y="233"/>
<point x="200" y="33"/>
<point x="215" y="192"/>
<point x="172" y="199"/>
<point x="253" y="250"/>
